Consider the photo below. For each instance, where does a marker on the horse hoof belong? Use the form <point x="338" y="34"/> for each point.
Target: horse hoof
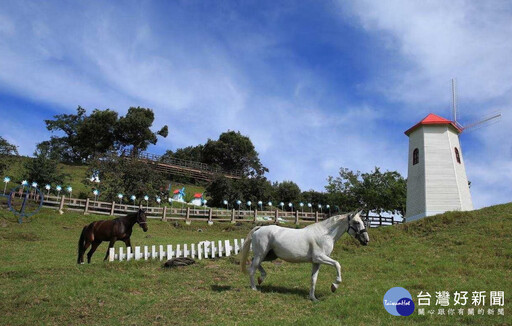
<point x="334" y="287"/>
<point x="314" y="299"/>
<point x="260" y="280"/>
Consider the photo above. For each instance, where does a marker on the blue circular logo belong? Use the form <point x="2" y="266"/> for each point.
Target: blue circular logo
<point x="398" y="302"/>
<point x="24" y="201"/>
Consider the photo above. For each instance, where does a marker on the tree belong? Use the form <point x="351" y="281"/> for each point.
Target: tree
<point x="245" y="189"/>
<point x="126" y="176"/>
<point x="84" y="136"/>
<point x="287" y="192"/>
<point x="315" y="197"/>
<point x="374" y="191"/>
<point x="66" y="146"/>
<point x="233" y="151"/>
<point x="96" y="133"/>
<point x="190" y="153"/>
<point x="133" y="130"/>
<point x="6" y="150"/>
<point x="43" y="170"/>
<point x="222" y="189"/>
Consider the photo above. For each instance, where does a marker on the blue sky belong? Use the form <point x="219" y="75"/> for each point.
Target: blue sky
<point x="316" y="85"/>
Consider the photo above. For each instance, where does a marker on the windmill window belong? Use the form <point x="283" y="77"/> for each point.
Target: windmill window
<point x="457" y="155"/>
<point x="415" y="156"/>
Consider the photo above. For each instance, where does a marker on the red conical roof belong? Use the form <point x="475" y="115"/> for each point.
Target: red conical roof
<point x="433" y="119"/>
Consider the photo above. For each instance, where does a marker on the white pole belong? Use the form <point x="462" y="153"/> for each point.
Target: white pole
<point x="170" y="254"/>
<point x="111" y="254"/>
<point x="162" y="253"/>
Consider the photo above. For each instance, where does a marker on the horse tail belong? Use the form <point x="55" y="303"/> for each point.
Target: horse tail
<point x="81" y="243"/>
<point x="245" y="249"/>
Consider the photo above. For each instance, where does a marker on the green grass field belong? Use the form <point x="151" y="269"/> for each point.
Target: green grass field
<point x="41" y="283"/>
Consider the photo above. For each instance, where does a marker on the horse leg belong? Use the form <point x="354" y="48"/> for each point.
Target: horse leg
<point x="94" y="246"/>
<point x="128" y="243"/>
<point x="314" y="276"/>
<point x="324" y="259"/>
<point x="110" y="245"/>
<point x="256" y="261"/>
<point x="263" y="274"/>
<point x="82" y="252"/>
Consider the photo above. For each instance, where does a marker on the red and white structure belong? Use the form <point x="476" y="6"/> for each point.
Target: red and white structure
<point x="197" y="200"/>
<point x="436" y="180"/>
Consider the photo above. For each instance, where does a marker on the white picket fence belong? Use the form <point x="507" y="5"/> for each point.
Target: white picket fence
<point x="201" y="250"/>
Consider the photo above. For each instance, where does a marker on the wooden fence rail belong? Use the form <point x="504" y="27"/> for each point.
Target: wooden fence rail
<point x="189" y="214"/>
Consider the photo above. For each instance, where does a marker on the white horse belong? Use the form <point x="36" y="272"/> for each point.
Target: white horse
<point x="312" y="244"/>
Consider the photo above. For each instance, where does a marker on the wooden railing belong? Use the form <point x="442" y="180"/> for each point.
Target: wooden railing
<point x="189" y="214"/>
<point x="193" y="169"/>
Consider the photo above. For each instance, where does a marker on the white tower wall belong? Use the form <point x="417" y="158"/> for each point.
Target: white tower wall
<point x="438" y="183"/>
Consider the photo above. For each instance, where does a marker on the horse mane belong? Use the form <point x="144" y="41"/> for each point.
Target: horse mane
<point x="333" y="220"/>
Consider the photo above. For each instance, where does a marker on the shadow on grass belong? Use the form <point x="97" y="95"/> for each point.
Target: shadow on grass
<point x="220" y="288"/>
<point x="284" y="290"/>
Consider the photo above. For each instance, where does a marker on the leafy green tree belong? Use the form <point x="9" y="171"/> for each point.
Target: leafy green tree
<point x="96" y="133"/>
<point x="129" y="177"/>
<point x="373" y="191"/>
<point x="133" y="130"/>
<point x="66" y="146"/>
<point x="245" y="189"/>
<point x="222" y="189"/>
<point x="255" y="189"/>
<point x="7" y="148"/>
<point x="42" y="169"/>
<point x="6" y="151"/>
<point x="287" y="192"/>
<point x="233" y="151"/>
<point x="190" y="153"/>
<point x="57" y="149"/>
<point x="315" y="198"/>
<point x="84" y="136"/>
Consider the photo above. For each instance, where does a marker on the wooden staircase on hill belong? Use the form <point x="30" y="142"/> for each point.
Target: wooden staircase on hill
<point x="174" y="166"/>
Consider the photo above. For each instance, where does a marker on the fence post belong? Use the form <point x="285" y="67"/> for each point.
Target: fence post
<point x="61" y="205"/>
<point x="380" y="220"/>
<point x="86" y="207"/>
<point x="233" y="215"/>
<point x="210" y="214"/>
<point x="297" y="217"/>
<point x="276" y="218"/>
<point x="187" y="217"/>
<point x="392" y="220"/>
<point x="255" y="215"/>
<point x="164" y="214"/>
<point x="112" y="208"/>
<point x="316" y="217"/>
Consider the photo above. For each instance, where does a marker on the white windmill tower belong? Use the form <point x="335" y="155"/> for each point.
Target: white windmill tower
<point x="437" y="180"/>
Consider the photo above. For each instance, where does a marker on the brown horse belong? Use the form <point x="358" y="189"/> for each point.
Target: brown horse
<point x="109" y="230"/>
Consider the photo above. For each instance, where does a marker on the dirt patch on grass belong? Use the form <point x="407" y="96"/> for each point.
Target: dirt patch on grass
<point x="23" y="236"/>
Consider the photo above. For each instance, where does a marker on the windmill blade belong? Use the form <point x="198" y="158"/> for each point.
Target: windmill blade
<point x="490" y="119"/>
<point x="454" y="100"/>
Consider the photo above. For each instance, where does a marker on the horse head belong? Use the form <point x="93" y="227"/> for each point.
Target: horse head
<point x="357" y="229"/>
<point x="141" y="219"/>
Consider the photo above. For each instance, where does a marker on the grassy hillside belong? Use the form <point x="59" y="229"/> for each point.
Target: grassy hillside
<point x="40" y="282"/>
